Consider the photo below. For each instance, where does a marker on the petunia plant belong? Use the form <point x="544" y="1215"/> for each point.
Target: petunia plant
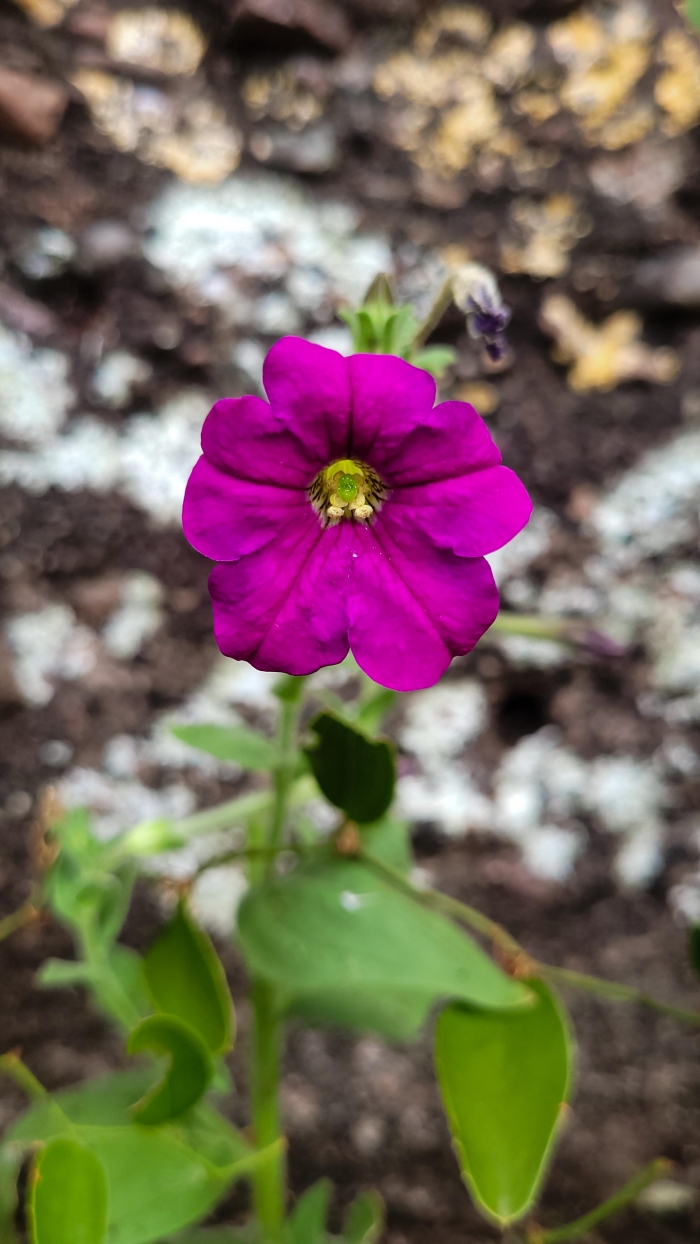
<point x="349" y="516"/>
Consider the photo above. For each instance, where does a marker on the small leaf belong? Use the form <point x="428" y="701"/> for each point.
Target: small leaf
<point x="67" y="1202"/>
<point x="691" y="9"/>
<point x="245" y="747"/>
<point x="354" y="772"/>
<point x="187" y="1077"/>
<point x="435" y="360"/>
<point x="365" y="1219"/>
<point x="503" y="1079"/>
<point x="374" y="709"/>
<point x="694" y="938"/>
<point x="307" y="1224"/>
<point x="185" y="978"/>
<point x="346" y="947"/>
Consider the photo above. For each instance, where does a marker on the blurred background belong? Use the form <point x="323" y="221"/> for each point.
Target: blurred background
<point x="181" y="184"/>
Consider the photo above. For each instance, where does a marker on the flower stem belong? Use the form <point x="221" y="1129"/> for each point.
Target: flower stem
<point x="269" y="1181"/>
<point x="290" y="704"/>
<point x="581" y="1226"/>
<point x="523" y="963"/>
<point x="435" y="314"/>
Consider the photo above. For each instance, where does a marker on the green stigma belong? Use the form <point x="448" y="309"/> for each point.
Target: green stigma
<point x="346" y="488"/>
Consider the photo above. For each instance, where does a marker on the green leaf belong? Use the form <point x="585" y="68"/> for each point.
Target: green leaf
<point x="355" y="773"/>
<point x="374" y="709"/>
<point x="185" y="978"/>
<point x="245" y="747"/>
<point x="691" y="9"/>
<point x="11" y="1157"/>
<point x="307" y="1224"/>
<point x="188" y="1075"/>
<point x="504" y="1079"/>
<point x="158" y="1183"/>
<point x="388" y="840"/>
<point x="346" y="947"/>
<point x="365" y="1219"/>
<point x="435" y="360"/>
<point x="694" y="935"/>
<point x="67" y="1201"/>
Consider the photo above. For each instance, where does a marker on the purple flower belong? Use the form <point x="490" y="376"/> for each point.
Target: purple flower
<point x="350" y="512"/>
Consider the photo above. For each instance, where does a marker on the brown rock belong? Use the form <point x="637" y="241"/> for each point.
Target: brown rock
<point x="31" y="108"/>
<point x="322" y="20"/>
<point x="9" y="691"/>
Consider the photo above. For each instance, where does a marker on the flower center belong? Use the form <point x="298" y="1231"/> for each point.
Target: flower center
<point x="346" y="489"/>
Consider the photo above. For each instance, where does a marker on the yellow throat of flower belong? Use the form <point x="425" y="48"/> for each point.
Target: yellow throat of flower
<point x="346" y="489"/>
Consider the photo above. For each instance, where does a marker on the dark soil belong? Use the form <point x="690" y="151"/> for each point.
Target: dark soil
<point x="357" y="1111"/>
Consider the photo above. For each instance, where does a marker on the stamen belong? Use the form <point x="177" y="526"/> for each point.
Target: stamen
<point x="346" y="489"/>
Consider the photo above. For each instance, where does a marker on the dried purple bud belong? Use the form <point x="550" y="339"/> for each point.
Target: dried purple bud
<point x="475" y="291"/>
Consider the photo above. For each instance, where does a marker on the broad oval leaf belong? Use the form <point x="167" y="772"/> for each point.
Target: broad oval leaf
<point x="245" y="747"/>
<point x="67" y="1200"/>
<point x="346" y="947"/>
<point x="504" y="1078"/>
<point x="355" y="773"/>
<point x="188" y="1075"/>
<point x="185" y="978"/>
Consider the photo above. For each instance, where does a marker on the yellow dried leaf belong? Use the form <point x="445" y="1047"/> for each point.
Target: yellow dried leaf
<point x="603" y="356"/>
<point x="160" y="39"/>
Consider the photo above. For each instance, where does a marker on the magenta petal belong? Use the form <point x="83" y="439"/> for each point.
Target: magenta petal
<point x="389" y="399"/>
<point x="309" y="391"/>
<point x="471" y="514"/>
<point x="283" y="608"/>
<point x="243" y="437"/>
<point x="225" y="518"/>
<point x="451" y="440"/>
<point x="413" y="608"/>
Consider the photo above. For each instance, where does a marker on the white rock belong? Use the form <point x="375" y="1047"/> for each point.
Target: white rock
<point x="35" y="395"/>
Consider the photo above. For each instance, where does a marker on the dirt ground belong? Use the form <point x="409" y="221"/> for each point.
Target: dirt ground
<point x="356" y="1110"/>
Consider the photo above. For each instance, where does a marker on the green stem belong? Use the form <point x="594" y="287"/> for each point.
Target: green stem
<point x="581" y="1226"/>
<point x="616" y="992"/>
<point x="284" y="773"/>
<point x="505" y="942"/>
<point x="533" y="625"/>
<point x="268" y="1180"/>
<point x="17" y="919"/>
<point x="13" y="1066"/>
<point x="435" y="314"/>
